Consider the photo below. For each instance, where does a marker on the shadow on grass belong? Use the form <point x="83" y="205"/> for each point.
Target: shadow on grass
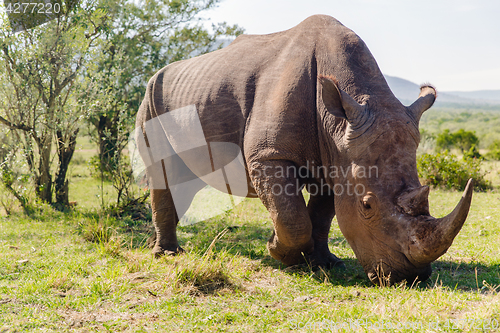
<point x="467" y="277"/>
<point x="462" y="277"/>
<point x="249" y="240"/>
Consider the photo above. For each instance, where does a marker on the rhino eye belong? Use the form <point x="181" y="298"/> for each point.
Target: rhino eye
<point x="366" y="204"/>
<point x="368" y="201"/>
<point x="369" y="205"/>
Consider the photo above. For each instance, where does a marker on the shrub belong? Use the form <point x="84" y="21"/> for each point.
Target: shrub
<point x="446" y="170"/>
<point x="493" y="155"/>
<point x="494" y="145"/>
<point x="463" y="140"/>
<point x="472" y="153"/>
<point x="494" y="151"/>
<point x="137" y="209"/>
<point x="445" y="140"/>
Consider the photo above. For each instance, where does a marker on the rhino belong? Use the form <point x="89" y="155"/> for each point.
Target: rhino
<point x="312" y="99"/>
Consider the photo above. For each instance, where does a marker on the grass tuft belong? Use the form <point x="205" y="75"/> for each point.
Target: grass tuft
<point x="95" y="232"/>
<point x="206" y="274"/>
<point x="207" y="277"/>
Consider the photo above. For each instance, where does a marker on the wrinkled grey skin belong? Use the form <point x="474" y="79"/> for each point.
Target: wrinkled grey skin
<point x="313" y="96"/>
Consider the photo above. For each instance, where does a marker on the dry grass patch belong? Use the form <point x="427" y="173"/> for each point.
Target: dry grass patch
<point x="207" y="277"/>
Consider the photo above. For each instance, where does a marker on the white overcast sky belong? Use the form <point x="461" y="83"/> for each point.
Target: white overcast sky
<point x="453" y="44"/>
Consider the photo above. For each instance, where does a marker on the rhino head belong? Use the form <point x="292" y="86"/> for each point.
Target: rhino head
<point x="386" y="218"/>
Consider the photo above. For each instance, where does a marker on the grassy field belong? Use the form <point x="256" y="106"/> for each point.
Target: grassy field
<point x="85" y="271"/>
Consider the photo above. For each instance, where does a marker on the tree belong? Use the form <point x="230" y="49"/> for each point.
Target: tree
<point x="494" y="150"/>
<point x="38" y="70"/>
<point x="12" y="178"/>
<point x="465" y="140"/>
<point x="140" y="38"/>
<point x="94" y="59"/>
<point x="444" y="140"/>
<point x="461" y="139"/>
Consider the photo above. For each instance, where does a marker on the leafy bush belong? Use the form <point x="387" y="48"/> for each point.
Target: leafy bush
<point x="446" y="170"/>
<point x="493" y="155"/>
<point x="463" y="140"/>
<point x="473" y="152"/>
<point x="444" y="140"/>
<point x="494" y="151"/>
<point x="495" y="145"/>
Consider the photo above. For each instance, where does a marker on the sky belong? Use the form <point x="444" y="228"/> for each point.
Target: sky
<point x="452" y="44"/>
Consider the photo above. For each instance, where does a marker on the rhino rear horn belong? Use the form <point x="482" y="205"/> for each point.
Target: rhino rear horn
<point x="425" y="100"/>
<point x="430" y="238"/>
<point x="338" y="102"/>
<point x="415" y="202"/>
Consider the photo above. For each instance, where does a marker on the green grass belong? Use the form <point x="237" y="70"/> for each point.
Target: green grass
<point x="88" y="192"/>
<point x="86" y="271"/>
<point x="55" y="277"/>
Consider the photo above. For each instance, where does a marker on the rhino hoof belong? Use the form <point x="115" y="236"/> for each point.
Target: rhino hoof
<point x="159" y="251"/>
<point x="333" y="265"/>
<point x="331" y="262"/>
<point x="339" y="265"/>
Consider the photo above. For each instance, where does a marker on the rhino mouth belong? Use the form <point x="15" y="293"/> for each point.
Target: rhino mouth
<point x="393" y="266"/>
<point x="384" y="274"/>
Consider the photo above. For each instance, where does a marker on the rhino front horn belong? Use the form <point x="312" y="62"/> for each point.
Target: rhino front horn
<point x="430" y="238"/>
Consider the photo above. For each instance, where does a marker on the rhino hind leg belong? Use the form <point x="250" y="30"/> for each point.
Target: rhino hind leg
<point x="165" y="220"/>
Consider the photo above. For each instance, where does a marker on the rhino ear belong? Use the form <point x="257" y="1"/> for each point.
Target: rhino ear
<point x="330" y="93"/>
<point x="425" y="100"/>
<point x="337" y="101"/>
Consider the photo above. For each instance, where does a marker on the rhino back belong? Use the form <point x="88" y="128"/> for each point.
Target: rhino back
<point x="260" y="92"/>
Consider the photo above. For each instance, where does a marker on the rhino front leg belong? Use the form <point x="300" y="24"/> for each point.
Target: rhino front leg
<point x="165" y="220"/>
<point x="321" y="210"/>
<point x="292" y="240"/>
